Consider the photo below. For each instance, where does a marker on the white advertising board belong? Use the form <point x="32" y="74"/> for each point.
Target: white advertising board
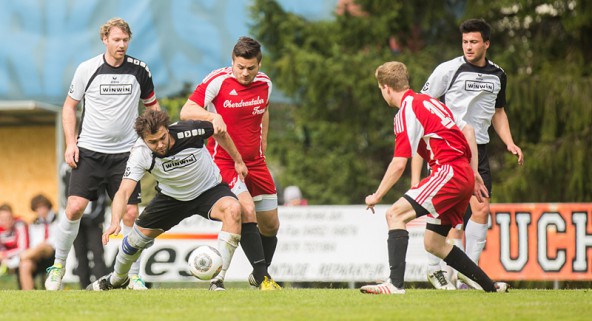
<point x="316" y="243"/>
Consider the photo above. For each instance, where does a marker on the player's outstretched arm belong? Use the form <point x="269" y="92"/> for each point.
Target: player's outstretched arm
<point x="119" y="207"/>
<point x="226" y="142"/>
<point x="479" y="190"/>
<point x="391" y="176"/>
<point x="502" y="128"/>
<point x="69" y="125"/>
<point x="192" y="111"/>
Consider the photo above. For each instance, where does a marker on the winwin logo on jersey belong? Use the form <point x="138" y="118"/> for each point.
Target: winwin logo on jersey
<point x="122" y="89"/>
<point x="178" y="163"/>
<point x="478" y="86"/>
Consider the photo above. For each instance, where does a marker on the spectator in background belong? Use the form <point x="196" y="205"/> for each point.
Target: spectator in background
<point x="14" y="239"/>
<point x="88" y="245"/>
<point x="39" y="255"/>
<point x="293" y="196"/>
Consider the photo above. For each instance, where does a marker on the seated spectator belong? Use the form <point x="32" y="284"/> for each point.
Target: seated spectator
<point x="13" y="239"/>
<point x="293" y="197"/>
<point x="39" y="255"/>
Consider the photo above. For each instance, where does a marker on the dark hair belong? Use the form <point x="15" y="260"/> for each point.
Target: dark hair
<point x="5" y="207"/>
<point x="247" y="48"/>
<point x="40" y="200"/>
<point x="476" y="25"/>
<point x="150" y="122"/>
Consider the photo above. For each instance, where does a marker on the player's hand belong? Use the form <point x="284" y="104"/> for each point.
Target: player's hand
<point x="71" y="155"/>
<point x="219" y="124"/>
<point x="480" y="190"/>
<point x="242" y="170"/>
<point x="518" y="152"/>
<point x="371" y="201"/>
<point x="113" y="229"/>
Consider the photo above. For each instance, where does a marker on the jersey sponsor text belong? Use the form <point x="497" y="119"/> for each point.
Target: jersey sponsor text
<point x="178" y="163"/>
<point x="244" y="103"/>
<point x="479" y="86"/>
<point x="123" y="89"/>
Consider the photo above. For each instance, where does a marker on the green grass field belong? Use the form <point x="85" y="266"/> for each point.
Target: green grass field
<point x="294" y="304"/>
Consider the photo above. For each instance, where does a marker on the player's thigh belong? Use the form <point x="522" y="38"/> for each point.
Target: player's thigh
<point x="115" y="168"/>
<point x="164" y="212"/>
<point x="86" y="178"/>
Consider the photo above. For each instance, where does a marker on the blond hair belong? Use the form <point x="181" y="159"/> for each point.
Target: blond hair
<point x="114" y="22"/>
<point x="393" y="74"/>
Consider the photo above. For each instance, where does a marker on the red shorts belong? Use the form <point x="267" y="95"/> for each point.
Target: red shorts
<point x="446" y="193"/>
<point x="258" y="180"/>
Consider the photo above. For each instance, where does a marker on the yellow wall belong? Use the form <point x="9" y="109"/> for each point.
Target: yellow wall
<point x="28" y="166"/>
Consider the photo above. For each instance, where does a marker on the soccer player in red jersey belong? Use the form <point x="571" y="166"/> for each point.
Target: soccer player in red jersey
<point x="425" y="126"/>
<point x="236" y="99"/>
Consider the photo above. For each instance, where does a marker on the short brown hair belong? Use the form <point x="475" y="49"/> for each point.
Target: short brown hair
<point x="247" y="48"/>
<point x="114" y="22"/>
<point x="476" y="25"/>
<point x="150" y="122"/>
<point x="6" y="208"/>
<point x="40" y="200"/>
<point x="393" y="74"/>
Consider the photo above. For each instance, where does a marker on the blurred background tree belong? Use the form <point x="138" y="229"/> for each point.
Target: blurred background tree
<point x="334" y="138"/>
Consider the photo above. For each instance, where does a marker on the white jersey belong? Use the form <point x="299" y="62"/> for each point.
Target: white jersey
<point x="110" y="98"/>
<point x="472" y="93"/>
<point x="186" y="171"/>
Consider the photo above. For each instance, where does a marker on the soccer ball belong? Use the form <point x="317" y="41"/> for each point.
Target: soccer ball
<point x="205" y="262"/>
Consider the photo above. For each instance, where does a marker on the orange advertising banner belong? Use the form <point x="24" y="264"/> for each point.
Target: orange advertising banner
<point x="539" y="241"/>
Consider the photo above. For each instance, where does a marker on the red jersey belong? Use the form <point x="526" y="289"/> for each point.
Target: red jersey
<point x="15" y="240"/>
<point x="241" y="107"/>
<point x="424" y="125"/>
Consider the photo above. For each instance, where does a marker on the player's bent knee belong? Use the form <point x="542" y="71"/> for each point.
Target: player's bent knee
<point x="135" y="241"/>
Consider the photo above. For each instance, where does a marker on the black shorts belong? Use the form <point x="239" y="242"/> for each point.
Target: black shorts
<point x="484" y="170"/>
<point x="96" y="169"/>
<point x="164" y="212"/>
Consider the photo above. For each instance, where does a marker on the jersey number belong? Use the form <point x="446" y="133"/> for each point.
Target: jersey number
<point x="436" y="108"/>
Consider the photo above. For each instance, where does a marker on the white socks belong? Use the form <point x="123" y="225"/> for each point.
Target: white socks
<point x="227" y="243"/>
<point x="475" y="235"/>
<point x="67" y="232"/>
<point x="135" y="268"/>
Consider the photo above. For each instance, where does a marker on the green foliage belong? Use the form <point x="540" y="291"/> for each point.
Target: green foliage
<point x="335" y="140"/>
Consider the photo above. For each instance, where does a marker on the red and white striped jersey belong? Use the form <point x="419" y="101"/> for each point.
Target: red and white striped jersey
<point x="424" y="125"/>
<point x="241" y="107"/>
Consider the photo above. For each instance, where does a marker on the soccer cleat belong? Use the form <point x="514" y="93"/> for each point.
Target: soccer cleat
<point x="470" y="283"/>
<point x="439" y="281"/>
<point x="55" y="273"/>
<point x="501" y="287"/>
<point x="136" y="283"/>
<point x="217" y="285"/>
<point x="104" y="284"/>
<point x="269" y="284"/>
<point x="252" y="282"/>
<point x="386" y="287"/>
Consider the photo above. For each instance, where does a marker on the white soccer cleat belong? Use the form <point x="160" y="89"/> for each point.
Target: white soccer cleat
<point x="501" y="287"/>
<point x="217" y="285"/>
<point x="470" y="283"/>
<point x="104" y="284"/>
<point x="439" y="281"/>
<point x="384" y="288"/>
<point x="136" y="283"/>
<point x="55" y="273"/>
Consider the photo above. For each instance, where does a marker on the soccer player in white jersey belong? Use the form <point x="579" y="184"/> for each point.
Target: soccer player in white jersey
<point x="474" y="88"/>
<point x="188" y="183"/>
<point x="237" y="101"/>
<point x="109" y="88"/>
<point x="426" y="127"/>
